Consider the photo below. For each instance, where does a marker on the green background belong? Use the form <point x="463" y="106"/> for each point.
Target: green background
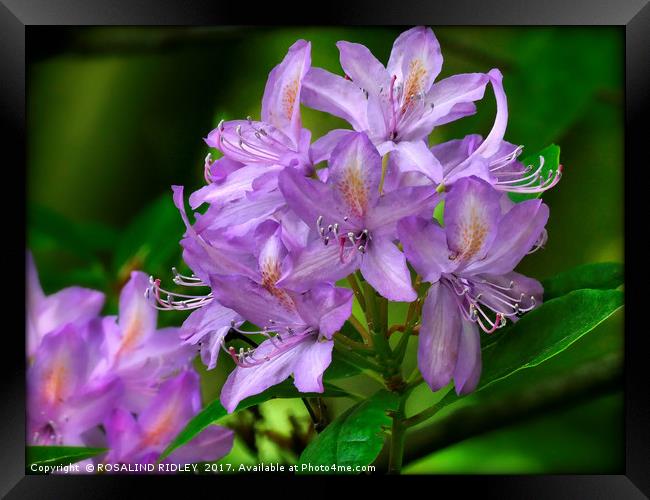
<point x="117" y="115"/>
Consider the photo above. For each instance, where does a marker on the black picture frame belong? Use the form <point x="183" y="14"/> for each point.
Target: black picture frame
<point x="18" y="16"/>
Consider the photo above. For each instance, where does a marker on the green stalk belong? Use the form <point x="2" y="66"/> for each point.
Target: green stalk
<point x="354" y="284"/>
<point x="397" y="437"/>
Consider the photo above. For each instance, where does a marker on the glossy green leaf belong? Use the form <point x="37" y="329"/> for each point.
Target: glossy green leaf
<point x="215" y="411"/>
<point x="59" y="455"/>
<point x="599" y="276"/>
<point x="355" y="438"/>
<point x="551" y="155"/>
<point x="544" y="333"/>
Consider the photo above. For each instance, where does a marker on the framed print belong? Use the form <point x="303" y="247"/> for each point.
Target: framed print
<point x="386" y="242"/>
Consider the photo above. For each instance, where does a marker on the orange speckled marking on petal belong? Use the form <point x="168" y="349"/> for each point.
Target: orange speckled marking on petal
<point x="131" y="336"/>
<point x="270" y="276"/>
<point x="414" y="82"/>
<point x="472" y="234"/>
<point x="354" y="188"/>
<point x="289" y="94"/>
<point x="159" y="429"/>
<point x="55" y="382"/>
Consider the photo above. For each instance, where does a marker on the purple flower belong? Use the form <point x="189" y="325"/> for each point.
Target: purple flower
<point x="254" y="151"/>
<point x="470" y="264"/>
<point x="355" y="225"/>
<point x="46" y="314"/>
<point x="135" y="349"/>
<point x="64" y="399"/>
<point x="143" y="438"/>
<point x="493" y="159"/>
<point x="299" y="329"/>
<point x="399" y="102"/>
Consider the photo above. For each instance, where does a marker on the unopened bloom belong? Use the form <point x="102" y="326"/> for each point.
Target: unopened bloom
<point x="355" y="224"/>
<point x="299" y="328"/>
<point x="399" y="102"/>
<point x="46" y="314"/>
<point x="142" y="438"/>
<point x="470" y="265"/>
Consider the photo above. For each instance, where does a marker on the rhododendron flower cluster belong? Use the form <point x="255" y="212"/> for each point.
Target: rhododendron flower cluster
<point x="111" y="382"/>
<point x="283" y="219"/>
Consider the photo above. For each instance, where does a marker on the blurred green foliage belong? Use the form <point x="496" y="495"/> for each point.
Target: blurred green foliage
<point x="117" y="115"/>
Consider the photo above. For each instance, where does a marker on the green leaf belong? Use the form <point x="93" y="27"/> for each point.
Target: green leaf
<point x="551" y="155"/>
<point x="60" y="455"/>
<point x="340" y="368"/>
<point x="215" y="411"/>
<point x="355" y="438"/>
<point x="600" y="276"/>
<point x="544" y="333"/>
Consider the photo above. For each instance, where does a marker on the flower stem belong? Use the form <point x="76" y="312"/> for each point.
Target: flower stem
<point x="354" y="284"/>
<point x="362" y="331"/>
<point x="418" y="418"/>
<point x="397" y="437"/>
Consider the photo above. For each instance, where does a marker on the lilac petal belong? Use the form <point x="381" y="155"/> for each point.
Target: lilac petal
<point x="452" y="153"/>
<point x="232" y="188"/>
<point x="455" y="90"/>
<point x="207" y="320"/>
<point x="518" y="231"/>
<point x="59" y="371"/>
<point x="476" y="167"/>
<point x="380" y="113"/>
<point x="425" y="246"/>
<point x="416" y="60"/>
<point x="472" y="212"/>
<point x="493" y="141"/>
<point x="250" y="380"/>
<point x="281" y="101"/>
<point x="254" y="302"/>
<point x="137" y="319"/>
<point x="446" y="101"/>
<point x="70" y="305"/>
<point x="439" y="337"/>
<point x="177" y="401"/>
<point x="362" y="67"/>
<point x="318" y="263"/>
<point x="295" y="232"/>
<point x="327" y="92"/>
<point x="468" y="366"/>
<point x="211" y="444"/>
<point x="90" y="407"/>
<point x="322" y="148"/>
<point x="402" y="202"/>
<point x="325" y="307"/>
<point x="308" y="198"/>
<point x="271" y="254"/>
<point x="384" y="267"/>
<point x="123" y="435"/>
<point x="355" y="172"/>
<point x="162" y="353"/>
<point x="312" y="360"/>
<point x="239" y="217"/>
<point x="220" y="169"/>
<point x="415" y="156"/>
